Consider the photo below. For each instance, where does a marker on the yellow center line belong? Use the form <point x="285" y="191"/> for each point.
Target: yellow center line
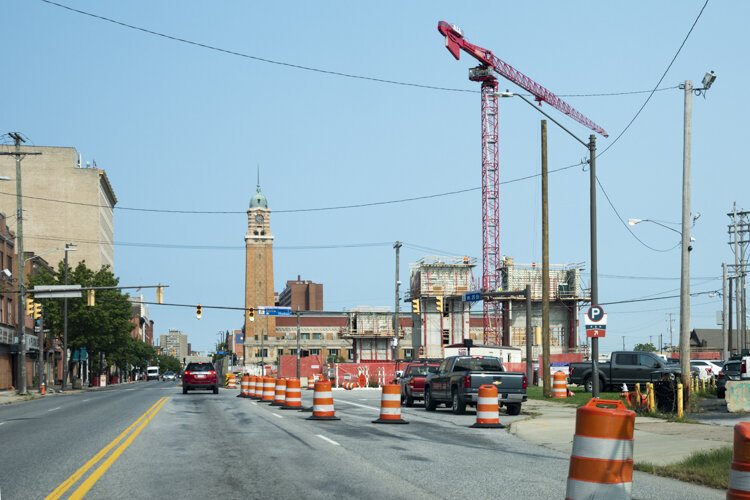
<point x="65" y="485"/>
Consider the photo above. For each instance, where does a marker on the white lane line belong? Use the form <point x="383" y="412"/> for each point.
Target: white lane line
<point x="321" y="436"/>
<point x="277" y="416"/>
<point x="1" y="423"/>
<point x="357" y="404"/>
<point x="128" y="389"/>
<point x="253" y="403"/>
<point x="84" y="400"/>
<point x="53" y="409"/>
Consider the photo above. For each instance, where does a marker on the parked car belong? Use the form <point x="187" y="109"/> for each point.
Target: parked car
<point x="458" y="378"/>
<point x="706" y="368"/>
<point x="624" y="367"/>
<point x="168" y="376"/>
<point x="412" y="381"/>
<point x="730" y="371"/>
<point x="200" y="376"/>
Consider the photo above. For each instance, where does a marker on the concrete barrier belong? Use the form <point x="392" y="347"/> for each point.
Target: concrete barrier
<point x="738" y="396"/>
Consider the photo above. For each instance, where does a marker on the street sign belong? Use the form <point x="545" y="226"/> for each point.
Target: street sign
<point x="275" y="311"/>
<point x="595" y="322"/>
<point x="56" y="291"/>
<point x="472" y="296"/>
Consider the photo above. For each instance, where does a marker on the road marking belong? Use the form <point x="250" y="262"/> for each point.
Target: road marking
<point x="53" y="409"/>
<point x="84" y="400"/>
<point x="357" y="404"/>
<point x="321" y="436"/>
<point x="253" y="403"/>
<point x="1" y="423"/>
<point x="276" y="415"/>
<point x="73" y="479"/>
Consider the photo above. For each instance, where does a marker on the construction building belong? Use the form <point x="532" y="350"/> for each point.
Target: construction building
<point x="64" y="202"/>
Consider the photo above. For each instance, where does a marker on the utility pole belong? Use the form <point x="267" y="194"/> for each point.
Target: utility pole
<point x="529" y="361"/>
<point x="623" y="342"/>
<point x="397" y="246"/>
<point x="298" y="344"/>
<point x="20" y="311"/>
<point x="729" y="314"/>
<point x="671" y="322"/>
<point x="547" y="389"/>
<point x="594" y="262"/>
<point x="68" y="248"/>
<point x="724" y="300"/>
<point x="685" y="257"/>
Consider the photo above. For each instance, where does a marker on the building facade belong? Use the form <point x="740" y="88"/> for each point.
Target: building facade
<point x="64" y="202"/>
<point x="143" y="326"/>
<point x="302" y="295"/>
<point x="175" y="344"/>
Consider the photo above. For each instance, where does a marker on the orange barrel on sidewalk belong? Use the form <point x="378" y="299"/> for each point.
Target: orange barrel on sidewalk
<point x="739" y="474"/>
<point x="293" y="400"/>
<point x="601" y="463"/>
<point x="268" y="389"/>
<point x="488" y="409"/>
<point x="280" y="396"/>
<point x="390" y="405"/>
<point x="559" y="385"/>
<point x="323" y="402"/>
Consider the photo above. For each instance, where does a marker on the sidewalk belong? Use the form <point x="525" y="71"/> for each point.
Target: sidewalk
<point x="8" y="397"/>
<point x="656" y="440"/>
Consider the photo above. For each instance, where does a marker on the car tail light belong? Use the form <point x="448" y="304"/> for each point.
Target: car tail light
<point x="525" y="383"/>
<point x="570" y="371"/>
<point x="743" y="368"/>
<point x="212" y="372"/>
<point x="187" y="373"/>
<point x="467" y="382"/>
<point x="721" y="375"/>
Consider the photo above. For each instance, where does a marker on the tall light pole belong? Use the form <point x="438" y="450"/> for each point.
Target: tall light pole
<point x="69" y="247"/>
<point x="397" y="246"/>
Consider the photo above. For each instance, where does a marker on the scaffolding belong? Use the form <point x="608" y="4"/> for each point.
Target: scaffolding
<point x="564" y="280"/>
<point x="436" y="276"/>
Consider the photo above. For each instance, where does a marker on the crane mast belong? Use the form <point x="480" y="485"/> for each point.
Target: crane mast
<point x="485" y="73"/>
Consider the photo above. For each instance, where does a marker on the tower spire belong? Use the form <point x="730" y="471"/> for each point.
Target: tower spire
<point x="258" y="186"/>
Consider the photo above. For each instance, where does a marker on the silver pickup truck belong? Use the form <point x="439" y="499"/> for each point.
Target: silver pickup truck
<point x="456" y="384"/>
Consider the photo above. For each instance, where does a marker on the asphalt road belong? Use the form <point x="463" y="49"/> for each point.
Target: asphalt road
<point x="202" y="445"/>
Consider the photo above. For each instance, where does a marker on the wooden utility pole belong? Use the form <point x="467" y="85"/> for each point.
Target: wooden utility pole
<point x="545" y="267"/>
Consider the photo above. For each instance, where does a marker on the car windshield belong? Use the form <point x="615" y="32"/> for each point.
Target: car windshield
<point x="199" y="367"/>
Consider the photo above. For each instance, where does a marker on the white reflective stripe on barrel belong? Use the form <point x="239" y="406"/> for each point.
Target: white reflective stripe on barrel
<point x="739" y="480"/>
<point x="323" y="395"/>
<point x="488" y="415"/>
<point x="293" y="400"/>
<point x="586" y="490"/>
<point x="487" y="401"/>
<point x="390" y="411"/>
<point x="391" y="397"/>
<point x="324" y="408"/>
<point x="602" y="448"/>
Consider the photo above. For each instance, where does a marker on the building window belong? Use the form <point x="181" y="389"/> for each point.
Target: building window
<point x="333" y="353"/>
<point x="350" y="354"/>
<point x="304" y="336"/>
<point x="317" y="336"/>
<point x="280" y="352"/>
<point x="408" y="353"/>
<point x="263" y="353"/>
<point x="314" y="352"/>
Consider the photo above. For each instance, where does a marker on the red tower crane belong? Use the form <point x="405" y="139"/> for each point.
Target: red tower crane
<point x="489" y="64"/>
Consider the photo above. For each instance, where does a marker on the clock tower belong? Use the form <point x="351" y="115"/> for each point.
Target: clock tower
<point x="261" y="333"/>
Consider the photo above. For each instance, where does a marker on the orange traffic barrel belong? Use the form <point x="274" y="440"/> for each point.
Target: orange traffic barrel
<point x="268" y="389"/>
<point x="601" y="463"/>
<point x="323" y="402"/>
<point x="311" y="382"/>
<point x="293" y="399"/>
<point x="390" y="406"/>
<point x="350" y="385"/>
<point x="244" y="386"/>
<point x="280" y="396"/>
<point x="559" y="385"/>
<point x="739" y="474"/>
<point x="256" y="388"/>
<point x="488" y="409"/>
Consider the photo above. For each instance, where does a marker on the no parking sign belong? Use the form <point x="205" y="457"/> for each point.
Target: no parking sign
<point x="595" y="322"/>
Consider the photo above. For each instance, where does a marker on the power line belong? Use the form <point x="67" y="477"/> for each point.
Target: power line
<point x="314" y="69"/>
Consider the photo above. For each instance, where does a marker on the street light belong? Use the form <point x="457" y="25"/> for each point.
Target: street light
<point x="591" y="147"/>
<point x="69" y="247"/>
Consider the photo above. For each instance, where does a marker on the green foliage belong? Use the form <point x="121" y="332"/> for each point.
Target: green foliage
<point x="169" y="363"/>
<point x="647" y="347"/>
<point x="103" y="328"/>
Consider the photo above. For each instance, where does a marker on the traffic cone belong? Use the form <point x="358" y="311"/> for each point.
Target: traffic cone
<point x="739" y="474"/>
<point x="280" y="396"/>
<point x="390" y="406"/>
<point x="601" y="463"/>
<point x="488" y="409"/>
<point x="42" y="388"/>
<point x="323" y="402"/>
<point x="293" y="400"/>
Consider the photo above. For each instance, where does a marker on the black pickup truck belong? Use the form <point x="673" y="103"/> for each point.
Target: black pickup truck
<point x="457" y="381"/>
<point x="624" y="367"/>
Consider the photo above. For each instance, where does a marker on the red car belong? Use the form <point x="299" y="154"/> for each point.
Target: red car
<point x="200" y="376"/>
<point x="412" y="382"/>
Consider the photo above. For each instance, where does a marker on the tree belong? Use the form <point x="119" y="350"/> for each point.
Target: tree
<point x="169" y="364"/>
<point x="647" y="347"/>
<point x="104" y="328"/>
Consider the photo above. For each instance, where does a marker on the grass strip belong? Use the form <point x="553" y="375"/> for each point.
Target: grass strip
<point x="709" y="468"/>
<point x="580" y="397"/>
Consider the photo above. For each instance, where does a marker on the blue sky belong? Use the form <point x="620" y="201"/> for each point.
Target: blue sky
<point x="182" y="127"/>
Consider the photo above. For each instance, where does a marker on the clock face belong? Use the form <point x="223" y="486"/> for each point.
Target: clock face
<point x="259" y="219"/>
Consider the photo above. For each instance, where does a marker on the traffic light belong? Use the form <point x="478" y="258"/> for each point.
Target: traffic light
<point x="159" y="294"/>
<point x="415" y="306"/>
<point x="29" y="307"/>
<point x="251" y="315"/>
<point x="198" y="311"/>
<point x="439" y="304"/>
<point x="37" y="310"/>
<point x="91" y="298"/>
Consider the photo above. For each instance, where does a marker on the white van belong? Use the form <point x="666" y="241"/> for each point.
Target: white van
<point x="152" y="373"/>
